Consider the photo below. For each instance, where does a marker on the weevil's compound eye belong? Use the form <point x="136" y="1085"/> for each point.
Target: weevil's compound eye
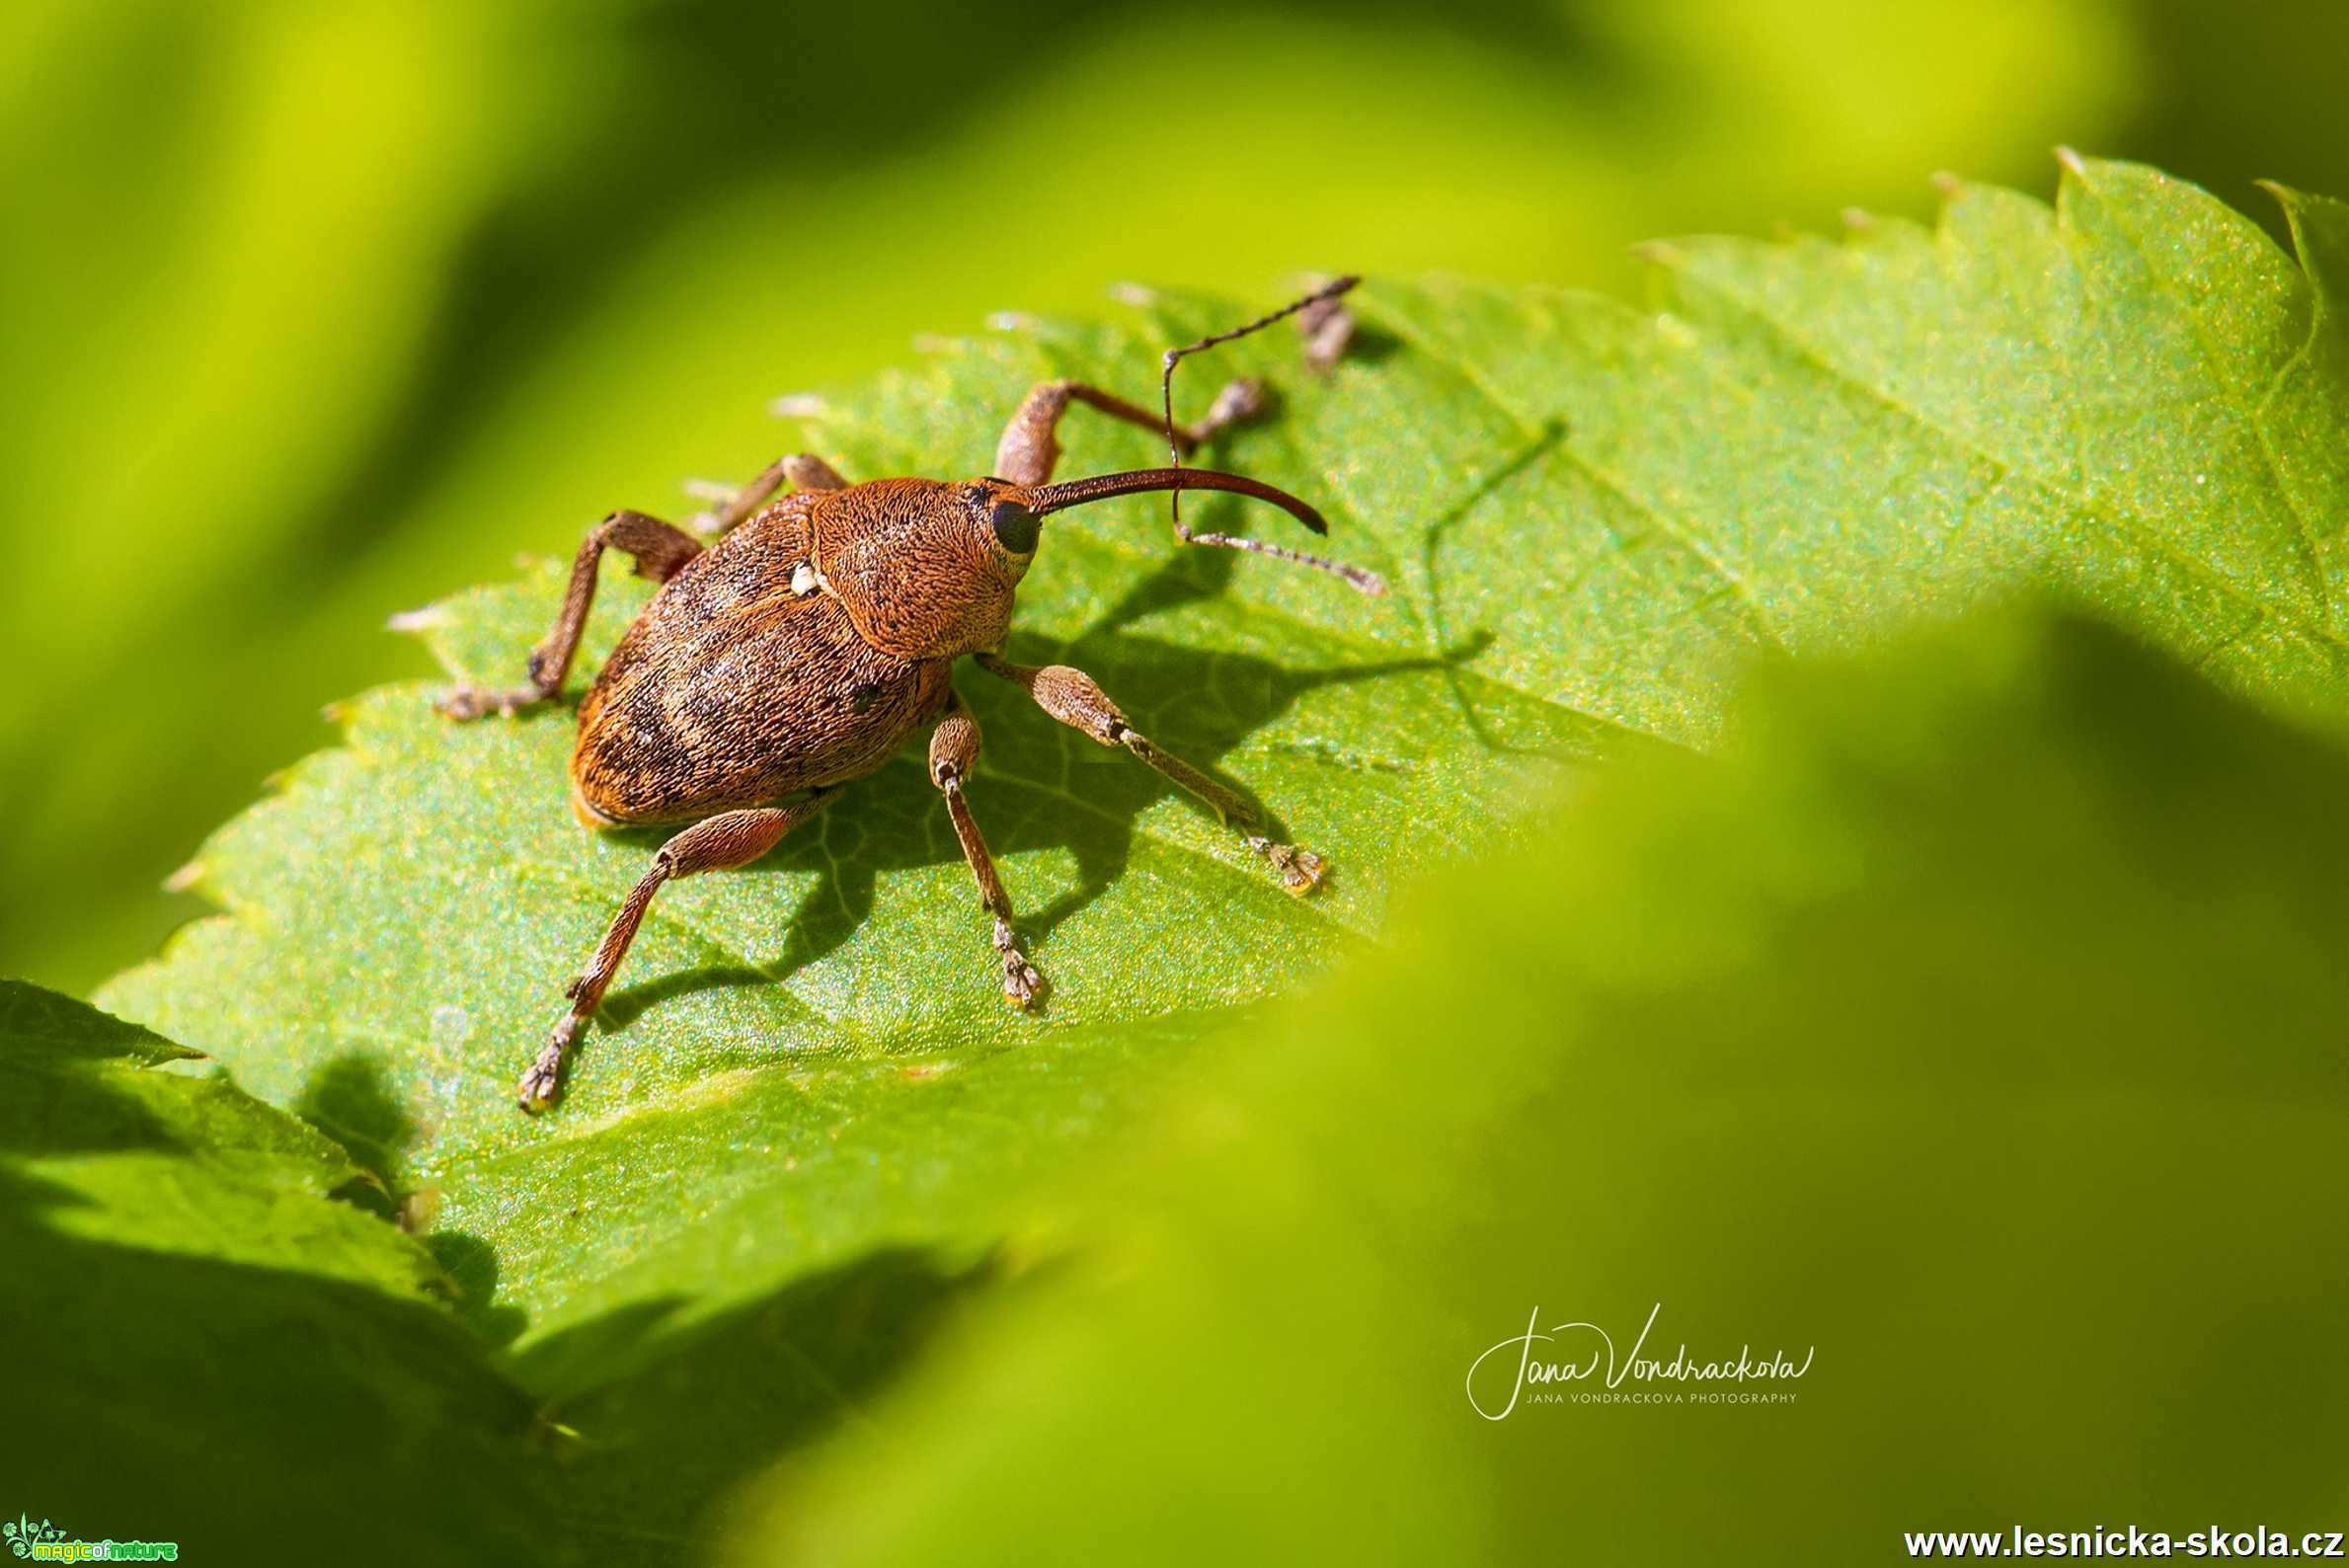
<point x="1016" y="528"/>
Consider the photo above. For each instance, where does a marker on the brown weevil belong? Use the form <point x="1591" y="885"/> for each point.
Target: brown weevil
<point x="800" y="649"/>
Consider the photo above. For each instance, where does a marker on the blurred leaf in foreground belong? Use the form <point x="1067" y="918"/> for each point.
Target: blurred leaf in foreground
<point x="203" y="1346"/>
<point x="1974" y="1035"/>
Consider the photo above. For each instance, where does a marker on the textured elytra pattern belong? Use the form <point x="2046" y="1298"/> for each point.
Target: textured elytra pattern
<point x="732" y="689"/>
<point x="1589" y="513"/>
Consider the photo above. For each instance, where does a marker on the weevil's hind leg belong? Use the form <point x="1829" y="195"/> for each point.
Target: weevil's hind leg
<point x="660" y="550"/>
<point x="1031" y="446"/>
<point x="954" y="752"/>
<point x="731" y="838"/>
<point x="1073" y="697"/>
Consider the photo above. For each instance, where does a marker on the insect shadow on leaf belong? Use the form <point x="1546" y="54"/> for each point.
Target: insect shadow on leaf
<point x="1200" y="705"/>
<point x="1545" y="439"/>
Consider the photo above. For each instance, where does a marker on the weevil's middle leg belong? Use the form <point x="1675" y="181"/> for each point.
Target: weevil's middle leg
<point x="1075" y="699"/>
<point x="1031" y="446"/>
<point x="954" y="752"/>
<point x="730" y="838"/>
<point x="659" y="551"/>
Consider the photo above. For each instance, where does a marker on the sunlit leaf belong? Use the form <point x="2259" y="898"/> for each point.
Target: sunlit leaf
<point x="1592" y="516"/>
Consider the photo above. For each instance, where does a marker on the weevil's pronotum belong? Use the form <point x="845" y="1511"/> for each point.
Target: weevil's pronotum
<point x="801" y="649"/>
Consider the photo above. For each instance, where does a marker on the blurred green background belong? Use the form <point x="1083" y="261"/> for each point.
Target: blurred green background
<point x="315" y="312"/>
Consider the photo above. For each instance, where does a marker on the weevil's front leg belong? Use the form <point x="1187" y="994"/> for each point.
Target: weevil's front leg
<point x="739" y="505"/>
<point x="800" y="470"/>
<point x="659" y="551"/>
<point x="731" y="838"/>
<point x="954" y="752"/>
<point x="1031" y="445"/>
<point x="1073" y="697"/>
<point x="807" y="471"/>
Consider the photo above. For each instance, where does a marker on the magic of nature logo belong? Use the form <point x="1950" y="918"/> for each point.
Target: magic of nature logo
<point x="42" y="1541"/>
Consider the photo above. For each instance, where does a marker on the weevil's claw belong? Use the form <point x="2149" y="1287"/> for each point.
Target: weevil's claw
<point x="1024" y="983"/>
<point x="1300" y="869"/>
<point x="463" y="704"/>
<point x="542" y="1086"/>
<point x="468" y="702"/>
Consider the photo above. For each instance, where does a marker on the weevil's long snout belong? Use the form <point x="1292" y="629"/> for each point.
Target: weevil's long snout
<point x="1045" y="499"/>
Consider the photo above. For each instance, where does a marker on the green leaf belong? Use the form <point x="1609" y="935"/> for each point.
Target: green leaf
<point x="192" y="1316"/>
<point x="1972" y="1038"/>
<point x="1592" y="516"/>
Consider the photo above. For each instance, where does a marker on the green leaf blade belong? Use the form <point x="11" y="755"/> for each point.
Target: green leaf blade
<point x="1592" y="516"/>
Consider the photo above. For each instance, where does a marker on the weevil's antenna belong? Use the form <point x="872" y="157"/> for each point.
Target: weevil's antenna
<point x="1045" y="498"/>
<point x="1174" y="357"/>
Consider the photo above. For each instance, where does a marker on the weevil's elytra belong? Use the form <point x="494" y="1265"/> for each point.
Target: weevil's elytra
<point x="799" y="651"/>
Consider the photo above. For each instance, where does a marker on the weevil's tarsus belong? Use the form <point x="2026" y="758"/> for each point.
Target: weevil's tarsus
<point x="954" y="752"/>
<point x="1240" y="400"/>
<point x="1300" y="870"/>
<point x="1024" y="983"/>
<point x="1327" y="327"/>
<point x="660" y="550"/>
<point x="1319" y="299"/>
<point x="1076" y="699"/>
<point x="730" y="838"/>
